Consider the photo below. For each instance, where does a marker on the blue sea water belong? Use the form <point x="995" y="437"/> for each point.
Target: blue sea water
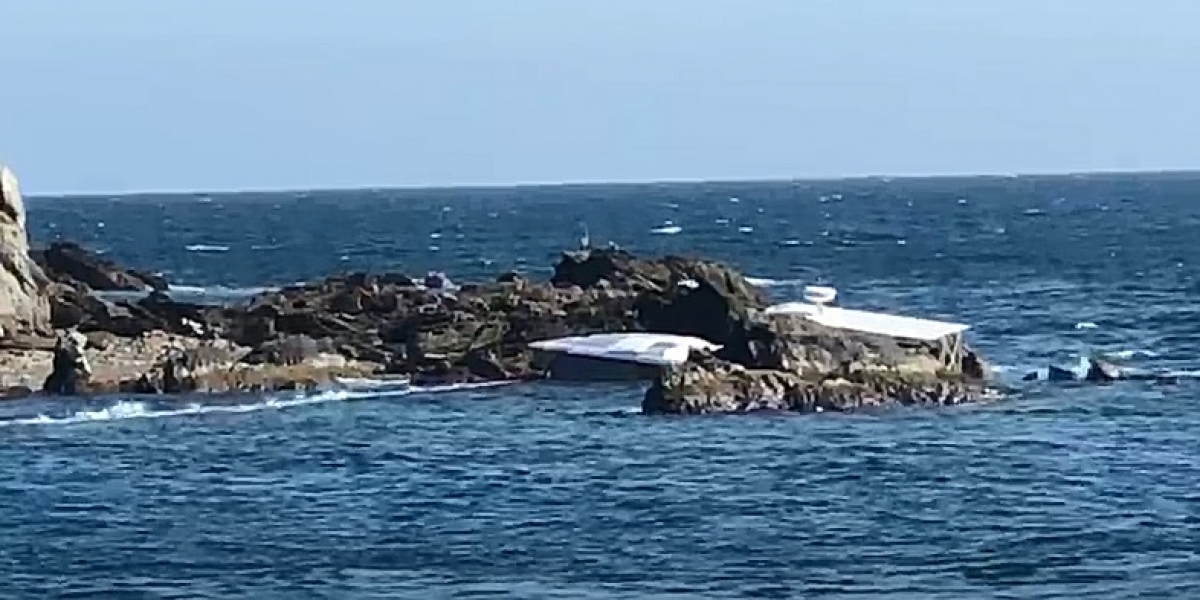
<point x="545" y="491"/>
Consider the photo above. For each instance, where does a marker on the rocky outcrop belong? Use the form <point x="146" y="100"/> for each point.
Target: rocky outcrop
<point x="482" y="331"/>
<point x="24" y="307"/>
<point x="433" y="331"/>
<point x="105" y="363"/>
<point x="699" y="388"/>
<point x="71" y="264"/>
<point x="801" y="366"/>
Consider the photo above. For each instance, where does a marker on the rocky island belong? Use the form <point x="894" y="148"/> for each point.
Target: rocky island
<point x="58" y="335"/>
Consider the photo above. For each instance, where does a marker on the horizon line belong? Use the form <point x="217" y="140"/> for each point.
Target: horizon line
<point x="613" y="182"/>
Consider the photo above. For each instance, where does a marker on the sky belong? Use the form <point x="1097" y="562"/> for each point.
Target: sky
<point x="187" y="95"/>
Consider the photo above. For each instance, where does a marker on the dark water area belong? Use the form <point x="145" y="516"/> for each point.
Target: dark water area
<point x="544" y="491"/>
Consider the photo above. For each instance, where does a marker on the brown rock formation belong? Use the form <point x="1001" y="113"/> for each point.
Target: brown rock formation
<point x="24" y="309"/>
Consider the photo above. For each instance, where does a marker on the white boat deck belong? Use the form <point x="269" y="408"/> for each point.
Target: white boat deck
<point x="643" y="348"/>
<point x="875" y="323"/>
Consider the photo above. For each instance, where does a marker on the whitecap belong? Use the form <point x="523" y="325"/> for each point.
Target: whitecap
<point x="217" y="290"/>
<point x="769" y="282"/>
<point x="136" y="409"/>
<point x="746" y="229"/>
<point x="666" y="229"/>
<point x="206" y="248"/>
<point x="1127" y="354"/>
<point x="1086" y="325"/>
<point x="1186" y="374"/>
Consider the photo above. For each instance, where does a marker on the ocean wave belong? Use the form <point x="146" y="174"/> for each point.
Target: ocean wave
<point x="128" y="409"/>
<point x="206" y="248"/>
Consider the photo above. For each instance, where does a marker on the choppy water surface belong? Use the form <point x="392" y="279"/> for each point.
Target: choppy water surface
<point x="541" y="491"/>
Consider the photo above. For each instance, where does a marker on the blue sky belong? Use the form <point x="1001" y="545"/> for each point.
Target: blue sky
<point x="125" y="95"/>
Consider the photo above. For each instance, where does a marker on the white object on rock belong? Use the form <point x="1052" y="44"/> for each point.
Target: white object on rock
<point x="635" y="347"/>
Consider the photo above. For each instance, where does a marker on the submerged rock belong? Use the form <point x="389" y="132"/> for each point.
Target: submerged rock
<point x="1099" y="371"/>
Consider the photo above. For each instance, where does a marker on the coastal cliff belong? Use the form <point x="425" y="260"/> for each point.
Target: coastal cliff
<point x="24" y="306"/>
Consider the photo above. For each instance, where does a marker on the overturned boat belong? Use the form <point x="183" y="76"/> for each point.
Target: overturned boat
<point x="816" y="307"/>
<point x="632" y="356"/>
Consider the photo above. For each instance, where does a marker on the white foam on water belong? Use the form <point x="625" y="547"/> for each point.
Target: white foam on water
<point x="1186" y="374"/>
<point x="206" y="248"/>
<point x="1127" y="354"/>
<point x="219" y="290"/>
<point x="367" y="383"/>
<point x="768" y="282"/>
<point x="1086" y="325"/>
<point x="137" y="409"/>
<point x="667" y="228"/>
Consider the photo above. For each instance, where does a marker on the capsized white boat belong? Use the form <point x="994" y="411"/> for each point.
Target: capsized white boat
<point x="617" y="356"/>
<point x="947" y="334"/>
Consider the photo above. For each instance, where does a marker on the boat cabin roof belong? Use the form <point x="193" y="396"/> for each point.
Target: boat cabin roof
<point x="875" y="323"/>
<point x="645" y="348"/>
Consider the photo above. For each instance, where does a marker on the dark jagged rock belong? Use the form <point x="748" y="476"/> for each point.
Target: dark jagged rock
<point x="438" y="332"/>
<point x="70" y="263"/>
<point x="70" y="370"/>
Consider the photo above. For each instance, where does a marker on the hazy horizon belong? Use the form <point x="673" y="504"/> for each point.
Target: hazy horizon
<point x="139" y="96"/>
<point x="619" y="183"/>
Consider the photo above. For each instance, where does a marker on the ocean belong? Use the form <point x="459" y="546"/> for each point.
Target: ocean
<point x="551" y="491"/>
